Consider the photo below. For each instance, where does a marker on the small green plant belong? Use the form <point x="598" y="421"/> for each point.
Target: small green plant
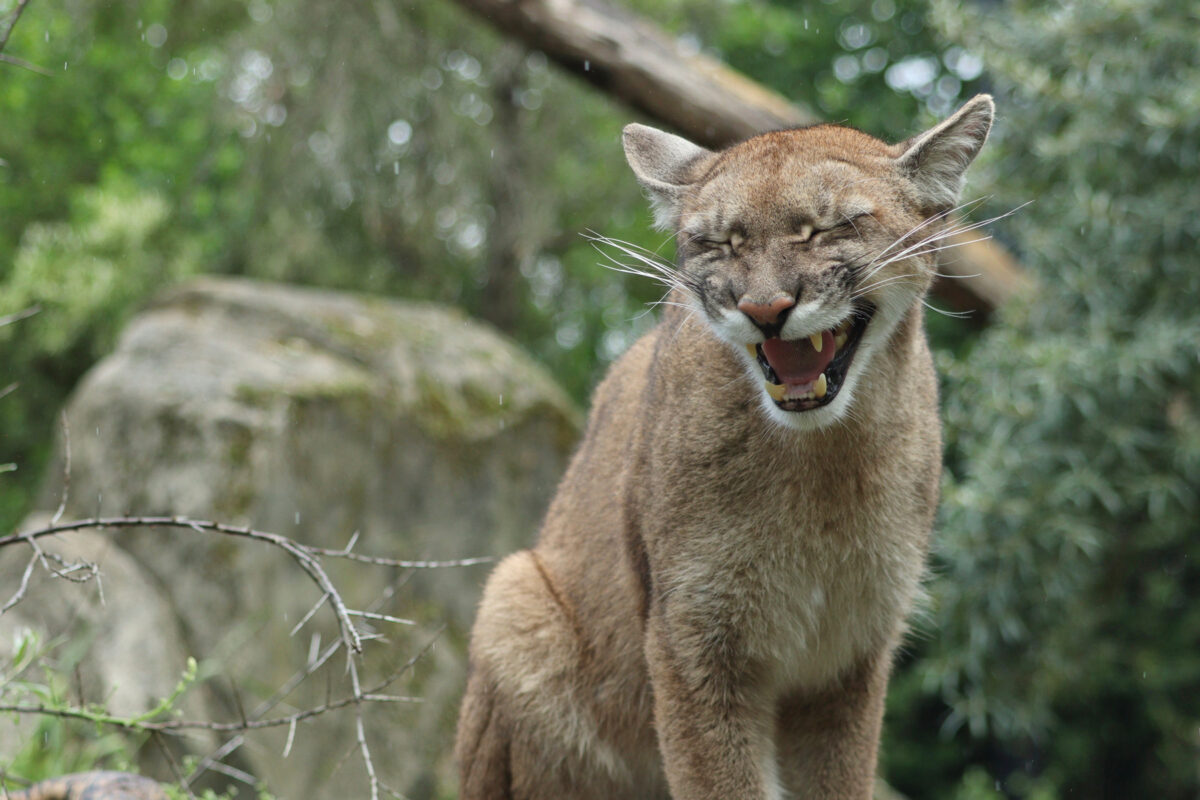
<point x="56" y="745"/>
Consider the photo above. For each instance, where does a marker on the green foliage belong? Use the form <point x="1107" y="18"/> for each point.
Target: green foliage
<point x="1067" y="577"/>
<point x="110" y="188"/>
<point x="55" y="746"/>
<point x="875" y="64"/>
<point x="86" y="275"/>
<point x="69" y="737"/>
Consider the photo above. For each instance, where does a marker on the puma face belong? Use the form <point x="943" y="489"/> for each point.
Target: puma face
<point x="804" y="249"/>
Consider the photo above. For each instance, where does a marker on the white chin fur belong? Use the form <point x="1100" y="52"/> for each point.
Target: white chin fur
<point x="888" y="313"/>
<point x="813" y="419"/>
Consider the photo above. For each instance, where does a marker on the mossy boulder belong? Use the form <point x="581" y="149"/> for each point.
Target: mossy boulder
<point x="318" y="415"/>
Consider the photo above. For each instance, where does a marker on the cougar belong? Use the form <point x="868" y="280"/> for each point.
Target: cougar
<point x="719" y="585"/>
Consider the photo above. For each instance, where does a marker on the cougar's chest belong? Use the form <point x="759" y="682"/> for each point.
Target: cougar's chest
<point x="823" y="598"/>
<point x="807" y="571"/>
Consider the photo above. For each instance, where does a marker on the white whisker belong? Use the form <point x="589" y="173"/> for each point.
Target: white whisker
<point x="945" y="313"/>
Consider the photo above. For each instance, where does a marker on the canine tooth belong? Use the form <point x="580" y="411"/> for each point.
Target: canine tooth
<point x="817" y="341"/>
<point x="775" y="390"/>
<point x="820" y="386"/>
<point x="752" y="350"/>
<point x="840" y="338"/>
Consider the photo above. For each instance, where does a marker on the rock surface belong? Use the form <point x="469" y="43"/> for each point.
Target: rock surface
<point x="316" y="415"/>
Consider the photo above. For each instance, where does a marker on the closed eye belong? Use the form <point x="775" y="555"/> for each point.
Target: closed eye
<point x="711" y="244"/>
<point x="848" y="227"/>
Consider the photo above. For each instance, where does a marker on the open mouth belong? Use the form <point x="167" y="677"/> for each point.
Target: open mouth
<point x="803" y="374"/>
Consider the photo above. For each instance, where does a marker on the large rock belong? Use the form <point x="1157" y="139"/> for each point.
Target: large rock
<point x="317" y="415"/>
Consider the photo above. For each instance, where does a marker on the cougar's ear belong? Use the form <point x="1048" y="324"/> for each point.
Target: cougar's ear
<point x="936" y="159"/>
<point x="665" y="166"/>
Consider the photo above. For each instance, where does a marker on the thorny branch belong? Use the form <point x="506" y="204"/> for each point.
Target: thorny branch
<point x="7" y="31"/>
<point x="9" y="319"/>
<point x="12" y="22"/>
<point x="308" y="557"/>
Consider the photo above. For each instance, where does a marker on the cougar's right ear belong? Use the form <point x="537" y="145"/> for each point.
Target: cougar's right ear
<point x="936" y="159"/>
<point x="665" y="166"/>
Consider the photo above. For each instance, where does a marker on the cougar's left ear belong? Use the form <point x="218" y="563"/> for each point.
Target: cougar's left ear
<point x="936" y="159"/>
<point x="665" y="165"/>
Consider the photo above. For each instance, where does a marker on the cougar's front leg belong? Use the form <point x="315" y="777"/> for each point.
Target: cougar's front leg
<point x="714" y="731"/>
<point x="828" y="739"/>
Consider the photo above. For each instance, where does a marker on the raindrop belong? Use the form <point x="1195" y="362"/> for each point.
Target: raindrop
<point x="321" y="143"/>
<point x="536" y="61"/>
<point x="300" y="76"/>
<point x="471" y="236"/>
<point x="883" y="10"/>
<point x="445" y="218"/>
<point x="587" y="66"/>
<point x="969" y="66"/>
<point x="431" y="79"/>
<point x="259" y="10"/>
<point x="210" y="69"/>
<point x="568" y="335"/>
<point x="156" y="35"/>
<point x="399" y="132"/>
<point x="444" y="173"/>
<point x="177" y="69"/>
<point x="911" y="73"/>
<point x="846" y="68"/>
<point x="875" y="59"/>
<point x="257" y="64"/>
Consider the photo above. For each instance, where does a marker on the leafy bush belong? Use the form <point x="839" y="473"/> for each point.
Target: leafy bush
<point x="1067" y="577"/>
<point x="87" y="276"/>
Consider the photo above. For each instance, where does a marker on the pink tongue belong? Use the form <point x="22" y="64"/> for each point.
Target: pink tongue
<point x="797" y="362"/>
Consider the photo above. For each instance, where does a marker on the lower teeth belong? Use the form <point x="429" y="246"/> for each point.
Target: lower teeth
<point x="819" y="389"/>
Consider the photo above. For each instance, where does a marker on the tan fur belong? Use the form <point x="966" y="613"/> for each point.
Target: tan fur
<point x="719" y="584"/>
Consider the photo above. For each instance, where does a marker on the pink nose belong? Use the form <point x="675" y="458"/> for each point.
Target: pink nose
<point x="766" y="313"/>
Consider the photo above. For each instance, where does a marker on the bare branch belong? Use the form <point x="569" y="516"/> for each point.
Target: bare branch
<point x="12" y="22"/>
<point x="20" y="593"/>
<point x="303" y="555"/>
<point x="175" y="726"/>
<point x="17" y="316"/>
<point x="156" y="721"/>
<point x="66" y="491"/>
<point x="23" y="64"/>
